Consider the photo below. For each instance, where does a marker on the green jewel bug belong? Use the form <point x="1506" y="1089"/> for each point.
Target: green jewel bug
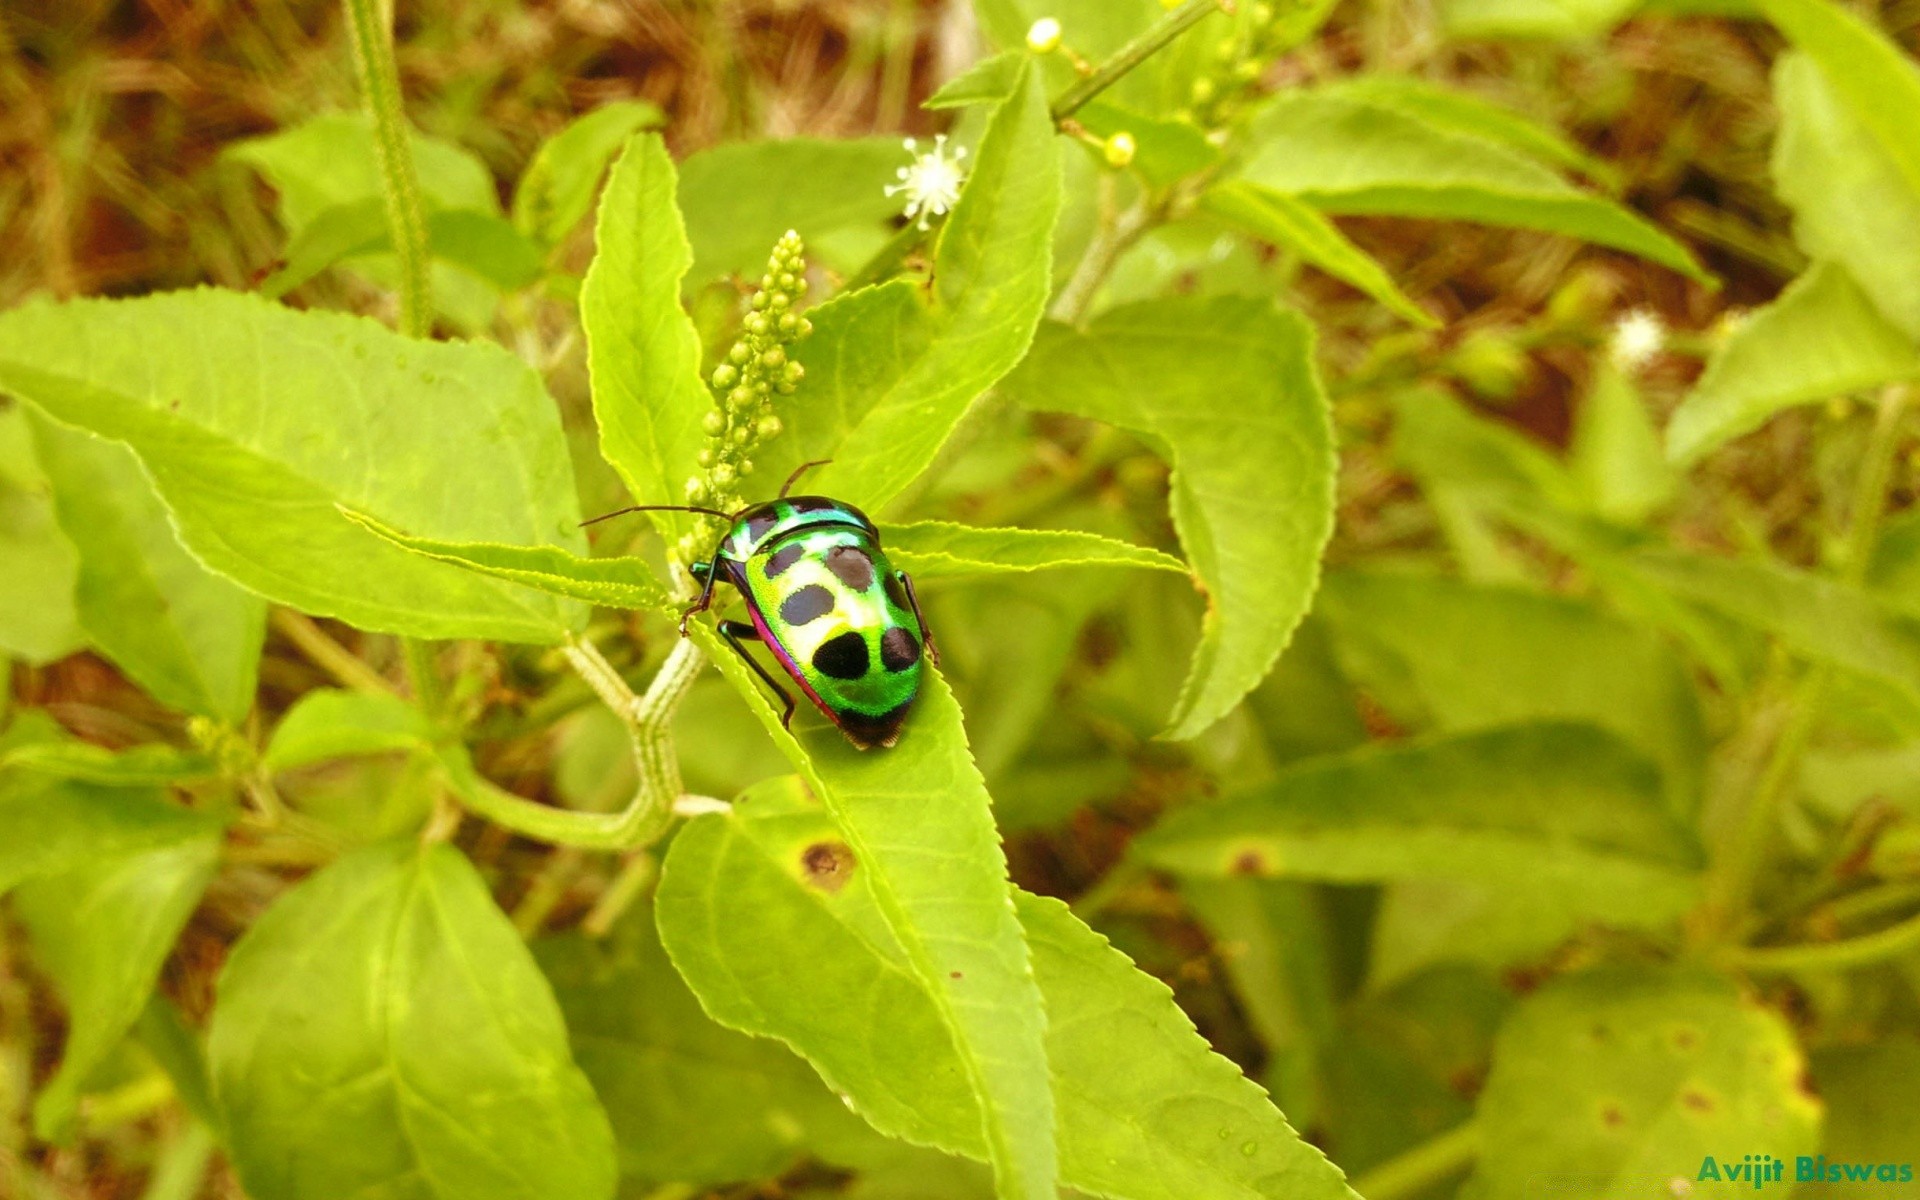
<point x="822" y="596"/>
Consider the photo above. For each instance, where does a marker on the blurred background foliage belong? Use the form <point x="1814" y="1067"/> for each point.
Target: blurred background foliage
<point x="142" y="150"/>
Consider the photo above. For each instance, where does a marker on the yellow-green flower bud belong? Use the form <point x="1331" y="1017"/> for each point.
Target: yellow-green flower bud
<point x="1120" y="149"/>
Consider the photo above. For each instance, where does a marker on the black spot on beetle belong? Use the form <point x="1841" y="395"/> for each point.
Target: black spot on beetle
<point x="897" y="593"/>
<point x="809" y="603"/>
<point x="784" y="557"/>
<point x="807" y="504"/>
<point x="851" y="566"/>
<point x="761" y="524"/>
<point x="898" y="649"/>
<point x="867" y="730"/>
<point x="843" y="656"/>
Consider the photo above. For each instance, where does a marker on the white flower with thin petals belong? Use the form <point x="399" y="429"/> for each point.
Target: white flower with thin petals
<point x="932" y="181"/>
<point x="1637" y="337"/>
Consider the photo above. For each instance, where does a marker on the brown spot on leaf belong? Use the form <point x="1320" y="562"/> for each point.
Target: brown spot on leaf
<point x="1697" y="1100"/>
<point x="1249" y="862"/>
<point x="1612" y="1116"/>
<point x="827" y="865"/>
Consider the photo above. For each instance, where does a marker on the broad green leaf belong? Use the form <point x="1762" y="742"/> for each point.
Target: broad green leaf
<point x="1348" y="155"/>
<point x="1823" y="619"/>
<point x="37" y="618"/>
<point x="690" y="1101"/>
<point x="1445" y="443"/>
<point x="740" y="197"/>
<point x="1871" y="1092"/>
<point x="1619" y="1082"/>
<point x="1616" y="452"/>
<point x="932" y="549"/>
<point x="918" y="820"/>
<point x="1252" y="454"/>
<point x="50" y="825"/>
<point x="331" y="160"/>
<point x="1850" y="201"/>
<point x="1165" y="151"/>
<point x="186" y="635"/>
<point x="556" y="190"/>
<point x="102" y="931"/>
<point x="989" y="81"/>
<point x="1822" y="338"/>
<point x="888" y="378"/>
<point x="1463" y="112"/>
<point x="1145" y="1110"/>
<point x="383" y="1031"/>
<point x="1560" y="20"/>
<point x="614" y="582"/>
<point x="1294" y="225"/>
<point x="451" y="440"/>
<point x="1568" y="807"/>
<point x="329" y="723"/>
<point x="177" y="1049"/>
<point x="1873" y="77"/>
<point x="482" y="244"/>
<point x="1484" y="656"/>
<point x="137" y="766"/>
<point x="643" y="353"/>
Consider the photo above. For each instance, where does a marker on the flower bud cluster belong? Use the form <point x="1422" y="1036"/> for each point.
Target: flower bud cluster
<point x="1238" y="61"/>
<point x="755" y="370"/>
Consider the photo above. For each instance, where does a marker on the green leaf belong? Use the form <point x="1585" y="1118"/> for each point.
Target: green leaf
<point x="740" y="197"/>
<point x="1616" y="452"/>
<point x="1483" y="656"/>
<point x="1165" y="151"/>
<point x="989" y="81"/>
<point x="1145" y="1110"/>
<point x="691" y="1101"/>
<point x="37" y="618"/>
<point x="383" y="1031"/>
<point x="1559" y="20"/>
<point x="933" y="549"/>
<point x="479" y="243"/>
<point x="1347" y="155"/>
<point x="1617" y="1082"/>
<point x="918" y="819"/>
<point x="1252" y="478"/>
<point x="614" y="582"/>
<point x="1850" y="200"/>
<point x="330" y="160"/>
<point x="1869" y="1092"/>
<point x="1822" y="619"/>
<point x="1873" y="77"/>
<point x="1566" y="807"/>
<point x="1822" y="338"/>
<point x="328" y="723"/>
<point x="1463" y="112"/>
<point x="189" y="637"/>
<point x="643" y="353"/>
<point x="451" y="440"/>
<point x="101" y="931"/>
<point x="889" y="378"/>
<point x="557" y="188"/>
<point x="1296" y="226"/>
<point x="137" y="766"/>
<point x="49" y="825"/>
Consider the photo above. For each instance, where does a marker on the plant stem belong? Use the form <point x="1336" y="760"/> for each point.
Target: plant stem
<point x="1426" y="1164"/>
<point x="635" y="874"/>
<point x="330" y="656"/>
<point x="649" y="721"/>
<point x="1831" y="956"/>
<point x="422" y="661"/>
<point x="1870" y="488"/>
<point x="1113" y="239"/>
<point x="370" y="29"/>
<point x="1741" y="867"/>
<point x="1135" y="52"/>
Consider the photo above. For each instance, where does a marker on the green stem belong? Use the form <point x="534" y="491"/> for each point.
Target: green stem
<point x="1890" y="942"/>
<point x="1131" y="55"/>
<point x="330" y="656"/>
<point x="1870" y="488"/>
<point x="1740" y="869"/>
<point x="370" y="28"/>
<point x="1110" y="241"/>
<point x="649" y="721"/>
<point x="1421" y="1167"/>
<point x="422" y="660"/>
<point x="635" y="874"/>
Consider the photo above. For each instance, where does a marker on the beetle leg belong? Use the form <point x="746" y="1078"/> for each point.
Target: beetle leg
<point x="708" y="574"/>
<point x="913" y="601"/>
<point x="733" y="631"/>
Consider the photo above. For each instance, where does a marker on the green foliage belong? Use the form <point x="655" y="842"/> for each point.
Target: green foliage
<point x="428" y="1059"/>
<point x="557" y="189"/>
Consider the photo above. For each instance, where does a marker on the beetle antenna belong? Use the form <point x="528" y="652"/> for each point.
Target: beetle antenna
<point x="692" y="508"/>
<point x="798" y="471"/>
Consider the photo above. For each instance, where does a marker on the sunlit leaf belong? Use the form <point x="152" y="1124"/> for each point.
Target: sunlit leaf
<point x="556" y="190"/>
<point x="931" y="549"/>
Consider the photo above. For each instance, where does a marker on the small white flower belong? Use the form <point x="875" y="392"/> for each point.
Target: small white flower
<point x="932" y="181"/>
<point x="1043" y="37"/>
<point x="1637" y="337"/>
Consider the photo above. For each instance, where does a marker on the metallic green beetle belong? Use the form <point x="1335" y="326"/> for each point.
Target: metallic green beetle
<point x="823" y="597"/>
